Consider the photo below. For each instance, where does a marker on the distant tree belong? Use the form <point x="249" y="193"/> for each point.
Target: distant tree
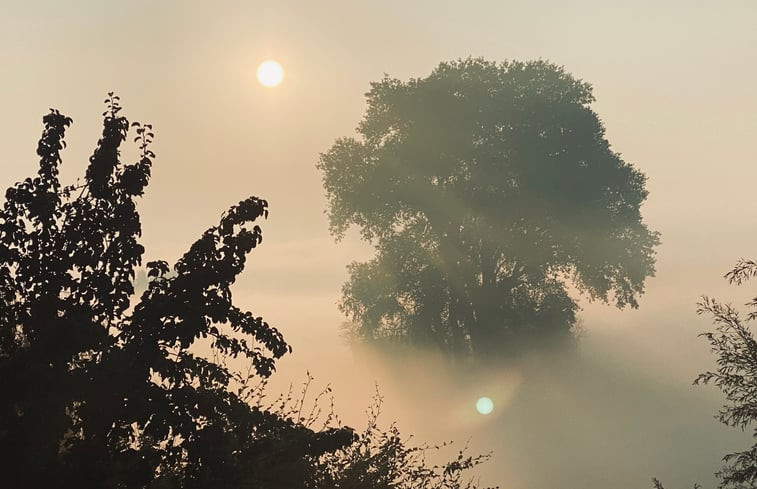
<point x="100" y="391"/>
<point x="485" y="189"/>
<point x="736" y="375"/>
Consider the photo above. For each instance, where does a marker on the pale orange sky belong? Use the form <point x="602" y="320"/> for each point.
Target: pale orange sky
<point x="674" y="81"/>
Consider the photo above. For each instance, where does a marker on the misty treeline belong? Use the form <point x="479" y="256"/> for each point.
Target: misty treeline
<point x="103" y="389"/>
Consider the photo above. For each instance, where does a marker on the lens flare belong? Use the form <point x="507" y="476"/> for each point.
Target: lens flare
<point x="484" y="405"/>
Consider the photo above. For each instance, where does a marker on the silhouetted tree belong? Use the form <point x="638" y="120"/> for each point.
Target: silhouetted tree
<point x="736" y="375"/>
<point x="98" y="391"/>
<point x="485" y="188"/>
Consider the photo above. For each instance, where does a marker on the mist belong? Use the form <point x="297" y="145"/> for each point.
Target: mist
<point x="677" y="100"/>
<point x="617" y="411"/>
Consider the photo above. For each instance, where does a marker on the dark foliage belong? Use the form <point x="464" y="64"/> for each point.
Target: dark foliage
<point x="736" y="375"/>
<point x="383" y="459"/>
<point x="100" y="391"/>
<point x="485" y="189"/>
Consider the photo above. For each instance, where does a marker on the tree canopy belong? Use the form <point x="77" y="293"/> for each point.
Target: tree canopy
<point x="486" y="189"/>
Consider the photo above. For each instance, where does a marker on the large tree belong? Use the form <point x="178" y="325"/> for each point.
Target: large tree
<point x="486" y="190"/>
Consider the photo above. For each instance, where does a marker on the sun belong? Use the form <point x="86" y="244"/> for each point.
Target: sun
<point x="270" y="73"/>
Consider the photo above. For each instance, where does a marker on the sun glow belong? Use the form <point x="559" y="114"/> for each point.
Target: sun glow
<point x="270" y="73"/>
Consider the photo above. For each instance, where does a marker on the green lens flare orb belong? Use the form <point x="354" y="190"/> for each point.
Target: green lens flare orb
<point x="484" y="405"/>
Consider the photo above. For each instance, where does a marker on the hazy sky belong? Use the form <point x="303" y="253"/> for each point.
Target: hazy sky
<point x="674" y="81"/>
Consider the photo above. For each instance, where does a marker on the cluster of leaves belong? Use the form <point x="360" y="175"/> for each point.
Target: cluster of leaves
<point x="102" y="392"/>
<point x="485" y="187"/>
<point x="736" y="375"/>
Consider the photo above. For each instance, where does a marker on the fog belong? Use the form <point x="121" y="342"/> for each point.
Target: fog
<point x="674" y="88"/>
